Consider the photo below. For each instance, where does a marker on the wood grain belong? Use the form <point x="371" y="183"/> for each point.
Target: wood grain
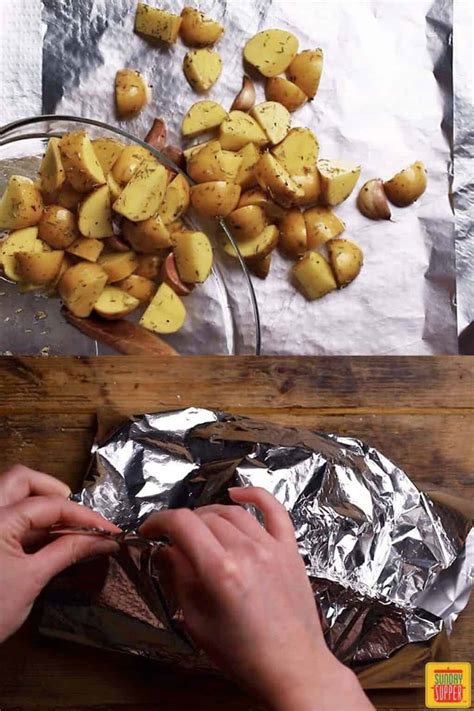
<point x="418" y="411"/>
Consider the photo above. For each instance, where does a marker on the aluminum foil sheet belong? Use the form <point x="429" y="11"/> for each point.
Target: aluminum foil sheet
<point x="385" y="100"/>
<point x="383" y="557"/>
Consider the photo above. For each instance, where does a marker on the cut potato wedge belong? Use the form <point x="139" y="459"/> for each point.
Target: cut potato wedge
<point x="215" y="199"/>
<point x="118" y="265"/>
<point x="95" y="214"/>
<point x="293" y="236"/>
<point x="305" y="71"/>
<point x="257" y="196"/>
<point x="285" y="92"/>
<point x="298" y="152"/>
<point x="86" y="248"/>
<point x="238" y="129"/>
<point x="148" y="265"/>
<point x="139" y="287"/>
<point x="114" y="303"/>
<point x="310" y="184"/>
<point x="321" y="226"/>
<point x="193" y="256"/>
<point x="108" y="151"/>
<point x="25" y="241"/>
<point x="131" y="92"/>
<point x="83" y="170"/>
<point x="114" y="187"/>
<point x="80" y="287"/>
<point x="51" y="171"/>
<point x="198" y="30"/>
<point x="247" y="222"/>
<point x="68" y="197"/>
<point x="338" y="180"/>
<point x="346" y="260"/>
<point x="21" y="204"/>
<point x="156" y="23"/>
<point x="39" y="268"/>
<point x="147" y="236"/>
<point x="176" y="200"/>
<point x="128" y="163"/>
<point x="245" y="177"/>
<point x="57" y="227"/>
<point x="201" y="117"/>
<point x="166" y="312"/>
<point x="212" y="163"/>
<point x="271" y="51"/>
<point x="407" y="186"/>
<point x="193" y="150"/>
<point x="202" y="68"/>
<point x="260" y="266"/>
<point x="143" y="194"/>
<point x="274" y="179"/>
<point x="274" y="119"/>
<point x="258" y="247"/>
<point x="313" y="276"/>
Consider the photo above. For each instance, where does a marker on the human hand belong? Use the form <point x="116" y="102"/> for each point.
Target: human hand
<point x="247" y="602"/>
<point x="31" y="502"/>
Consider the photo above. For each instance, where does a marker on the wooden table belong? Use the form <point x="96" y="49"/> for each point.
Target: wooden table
<point x="418" y="411"/>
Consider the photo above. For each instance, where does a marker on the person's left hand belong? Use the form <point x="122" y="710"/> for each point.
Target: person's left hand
<point x="31" y="502"/>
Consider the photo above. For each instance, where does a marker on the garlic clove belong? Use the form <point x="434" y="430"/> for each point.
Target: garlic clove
<point x="156" y="136"/>
<point x="372" y="201"/>
<point x="245" y="99"/>
<point x="176" y="155"/>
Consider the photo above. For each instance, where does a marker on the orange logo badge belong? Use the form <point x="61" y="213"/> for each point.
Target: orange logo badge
<point x="448" y="685"/>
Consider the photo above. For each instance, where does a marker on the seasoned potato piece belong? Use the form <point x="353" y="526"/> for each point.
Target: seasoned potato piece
<point x="212" y="163"/>
<point x="57" y="227"/>
<point x="20" y="205"/>
<point x="202" y="68"/>
<point x="68" y="197"/>
<point x="293" y="237"/>
<point x="285" y="92"/>
<point x="114" y="303"/>
<point x="51" y="171"/>
<point x="25" y="241"/>
<point x="80" y="287"/>
<point x="176" y="200"/>
<point x="260" y="266"/>
<point x="346" y="260"/>
<point x="166" y="313"/>
<point x="193" y="150"/>
<point x="246" y="174"/>
<point x="247" y="222"/>
<point x="148" y="265"/>
<point x="86" y="248"/>
<point x="215" y="199"/>
<point x="38" y="268"/>
<point x="83" y="170"/>
<point x="193" y="256"/>
<point x="272" y="177"/>
<point x="338" y="180"/>
<point x="273" y="118"/>
<point x="313" y="276"/>
<point x="198" y="30"/>
<point x="305" y="71"/>
<point x="114" y="188"/>
<point x="310" y="183"/>
<point x="407" y="186"/>
<point x="95" y="214"/>
<point x="258" y="246"/>
<point x="141" y="288"/>
<point x="147" y="236"/>
<point x="170" y="276"/>
<point x="298" y="151"/>
<point x="271" y="51"/>
<point x="257" y="196"/>
<point x="108" y="151"/>
<point x="321" y="226"/>
<point x="238" y="129"/>
<point x="66" y="264"/>
<point x="201" y="117"/>
<point x="118" y="265"/>
<point x="176" y="226"/>
<point x="131" y="92"/>
<point x="128" y="163"/>
<point x="143" y="194"/>
<point x="157" y="24"/>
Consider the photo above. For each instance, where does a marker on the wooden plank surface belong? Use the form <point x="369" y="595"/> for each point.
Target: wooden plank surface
<point x="418" y="411"/>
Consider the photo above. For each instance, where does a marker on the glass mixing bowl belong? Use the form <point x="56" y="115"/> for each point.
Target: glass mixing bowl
<point x="222" y="314"/>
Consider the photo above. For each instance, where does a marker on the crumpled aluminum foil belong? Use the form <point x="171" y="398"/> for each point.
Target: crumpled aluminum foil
<point x="383" y="558"/>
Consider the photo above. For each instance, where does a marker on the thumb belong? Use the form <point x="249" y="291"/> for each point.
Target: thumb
<point x="67" y="550"/>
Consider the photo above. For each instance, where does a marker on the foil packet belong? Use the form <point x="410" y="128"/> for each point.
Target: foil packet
<point x="388" y="563"/>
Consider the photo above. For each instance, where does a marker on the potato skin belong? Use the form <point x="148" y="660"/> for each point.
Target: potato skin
<point x="271" y="51"/>
<point x="86" y="248"/>
<point x="39" y="268"/>
<point x="257" y="247"/>
<point x="247" y="222"/>
<point x="313" y="276"/>
<point x="176" y="200"/>
<point x="51" y="172"/>
<point x="285" y="92"/>
<point x="259" y="266"/>
<point x="131" y="92"/>
<point x="140" y="287"/>
<point x="202" y="68"/>
<point x="147" y="236"/>
<point x="21" y="204"/>
<point x="198" y="30"/>
<point x="58" y="227"/>
<point x="346" y="260"/>
<point x="128" y="163"/>
<point x="293" y="237"/>
<point x="407" y="186"/>
<point x="215" y="199"/>
<point x="321" y="226"/>
<point x="108" y="151"/>
<point x="245" y="177"/>
<point x="275" y="180"/>
<point x="80" y="287"/>
<point x="118" y="265"/>
<point x="305" y="71"/>
<point x="148" y="265"/>
<point x="83" y="170"/>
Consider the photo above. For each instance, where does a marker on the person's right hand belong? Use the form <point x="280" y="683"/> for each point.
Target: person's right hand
<point x="247" y="602"/>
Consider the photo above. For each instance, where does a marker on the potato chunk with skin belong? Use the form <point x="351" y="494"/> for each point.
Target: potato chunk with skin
<point x="21" y="204"/>
<point x="68" y="197"/>
<point x="338" y="180"/>
<point x="247" y="222"/>
<point x="305" y="71"/>
<point x="238" y="129"/>
<point x="193" y="256"/>
<point x="140" y="287"/>
<point x="108" y="151"/>
<point x="313" y="276"/>
<point x="202" y="68"/>
<point x="142" y="196"/>
<point x="176" y="200"/>
<point x="285" y="92"/>
<point x="129" y="162"/>
<point x="346" y="260"/>
<point x="310" y="184"/>
<point x="272" y="177"/>
<point x="86" y="248"/>
<point x="25" y="241"/>
<point x="257" y="247"/>
<point x="260" y="266"/>
<point x="215" y="199"/>
<point x="147" y="236"/>
<point x="298" y="151"/>
<point x="57" y="227"/>
<point x="156" y="23"/>
<point x="166" y="312"/>
<point x="38" y="268"/>
<point x="293" y="237"/>
<point x="113" y="303"/>
<point x="407" y="186"/>
<point x="80" y="287"/>
<point x="201" y="117"/>
<point x="51" y="171"/>
<point x="273" y="118"/>
<point x="246" y="174"/>
<point x="83" y="170"/>
<point x="198" y="30"/>
<point x="131" y="92"/>
<point x="257" y="196"/>
<point x="148" y="265"/>
<point x="118" y="265"/>
<point x="212" y="163"/>
<point x="95" y="214"/>
<point x="271" y="51"/>
<point x="321" y="226"/>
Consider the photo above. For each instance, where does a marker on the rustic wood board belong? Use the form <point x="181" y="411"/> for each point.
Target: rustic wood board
<point x="418" y="411"/>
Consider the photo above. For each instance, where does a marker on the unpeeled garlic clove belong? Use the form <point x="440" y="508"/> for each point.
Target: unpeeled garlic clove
<point x="245" y="99"/>
<point x="156" y="136"/>
<point x="176" y="155"/>
<point x="372" y="201"/>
